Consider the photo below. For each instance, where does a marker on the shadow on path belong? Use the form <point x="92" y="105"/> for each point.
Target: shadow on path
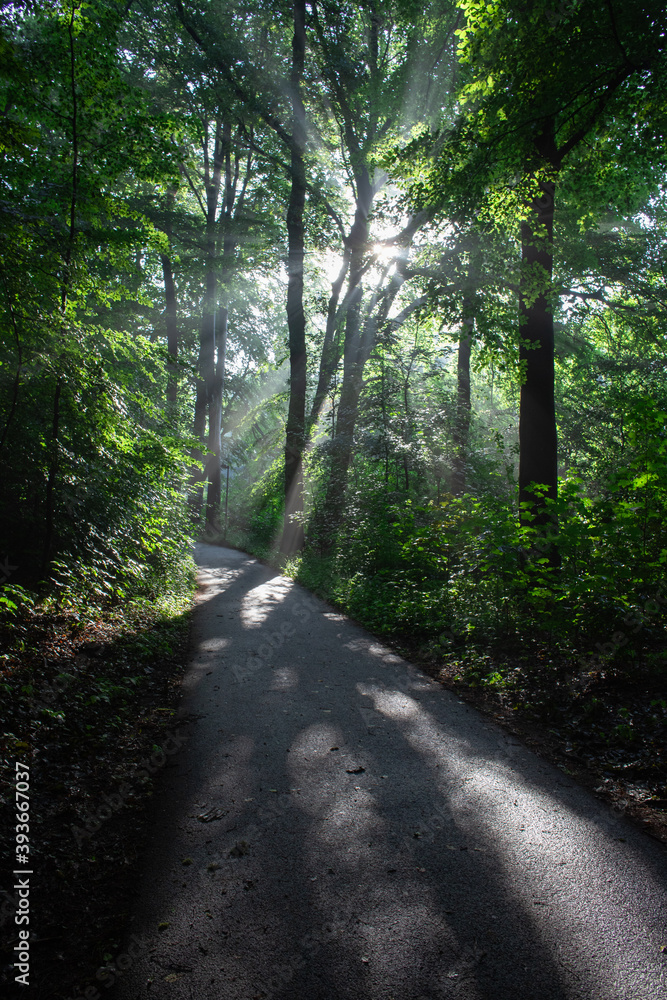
<point x="339" y="827"/>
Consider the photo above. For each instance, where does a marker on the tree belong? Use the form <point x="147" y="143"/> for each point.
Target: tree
<point x="545" y="101"/>
<point x="292" y="537"/>
<point x="88" y="466"/>
<point x="365" y="59"/>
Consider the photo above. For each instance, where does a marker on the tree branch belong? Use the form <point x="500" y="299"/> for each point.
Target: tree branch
<point x="266" y="115"/>
<point x="193" y="188"/>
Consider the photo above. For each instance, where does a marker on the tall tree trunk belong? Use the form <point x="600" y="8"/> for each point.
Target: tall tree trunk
<point x="204" y="390"/>
<point x="348" y="405"/>
<point x="231" y="203"/>
<point x="54" y="458"/>
<point x="292" y="537"/>
<point x="214" y="495"/>
<point x="170" y="312"/>
<point x="172" y="328"/>
<point x="538" y="455"/>
<point x="346" y="420"/>
<point x="330" y="351"/>
<point x="206" y="382"/>
<point x="463" y="408"/>
<point x="198" y="430"/>
<point x="407" y="435"/>
<point x="207" y="369"/>
<point x="360" y="339"/>
<point x="385" y="423"/>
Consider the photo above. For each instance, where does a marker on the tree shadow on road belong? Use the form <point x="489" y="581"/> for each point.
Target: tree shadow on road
<point x="340" y="827"/>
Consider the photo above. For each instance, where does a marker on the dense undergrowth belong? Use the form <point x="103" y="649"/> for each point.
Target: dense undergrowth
<point x="464" y="572"/>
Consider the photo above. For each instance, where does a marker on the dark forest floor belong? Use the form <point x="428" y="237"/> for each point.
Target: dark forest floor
<point x="90" y="706"/>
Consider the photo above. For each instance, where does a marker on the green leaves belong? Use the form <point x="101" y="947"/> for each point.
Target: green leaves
<point x="85" y="448"/>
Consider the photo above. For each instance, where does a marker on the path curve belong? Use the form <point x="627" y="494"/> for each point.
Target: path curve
<point x="339" y="827"/>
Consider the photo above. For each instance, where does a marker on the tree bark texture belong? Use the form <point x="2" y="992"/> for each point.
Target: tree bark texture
<point x="538" y="455"/>
<point x="330" y="349"/>
<point x="206" y="382"/>
<point x="170" y="312"/>
<point x="214" y="493"/>
<point x="172" y="328"/>
<point x="292" y="537"/>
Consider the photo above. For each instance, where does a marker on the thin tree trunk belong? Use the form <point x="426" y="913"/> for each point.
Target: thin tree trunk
<point x="348" y="405"/>
<point x="198" y="430"/>
<point x="292" y="537"/>
<point x="360" y="338"/>
<point x="172" y="328"/>
<point x="330" y="351"/>
<point x="385" y="424"/>
<point x="348" y="408"/>
<point x="49" y="518"/>
<point x="75" y="165"/>
<point x="170" y="313"/>
<point x="206" y="392"/>
<point x="206" y="381"/>
<point x="231" y="160"/>
<point x="214" y="495"/>
<point x="201" y="410"/>
<point x="406" y="436"/>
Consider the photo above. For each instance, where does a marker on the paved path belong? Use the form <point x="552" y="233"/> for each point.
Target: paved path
<point x="338" y="827"/>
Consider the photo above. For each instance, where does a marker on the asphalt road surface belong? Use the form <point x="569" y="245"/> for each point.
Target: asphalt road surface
<point x="339" y="827"/>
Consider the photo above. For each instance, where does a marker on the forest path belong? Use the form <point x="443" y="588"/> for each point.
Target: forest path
<point x="339" y="827"/>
